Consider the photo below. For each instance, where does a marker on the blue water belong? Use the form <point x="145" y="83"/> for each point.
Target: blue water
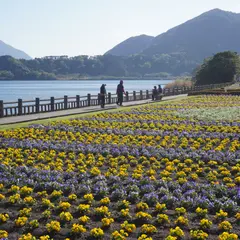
<point x="29" y="90"/>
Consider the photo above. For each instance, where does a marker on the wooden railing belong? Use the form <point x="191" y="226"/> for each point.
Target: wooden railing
<point x="56" y="104"/>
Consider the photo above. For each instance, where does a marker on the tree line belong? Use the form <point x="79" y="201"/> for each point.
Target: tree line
<point x="138" y="66"/>
<point x="220" y="68"/>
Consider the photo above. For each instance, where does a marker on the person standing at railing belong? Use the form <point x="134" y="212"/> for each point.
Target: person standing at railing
<point x="102" y="95"/>
<point x="154" y="93"/>
<point x="160" y="91"/>
<point x="120" y="91"/>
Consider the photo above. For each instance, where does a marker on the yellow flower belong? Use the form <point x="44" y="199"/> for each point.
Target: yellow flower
<point x="201" y="212"/>
<point x="3" y="234"/>
<point x="64" y="205"/>
<point x="47" y="203"/>
<point x="180" y="211"/>
<point x="105" y="201"/>
<point x="162" y="219"/>
<point x="228" y="236"/>
<point x="28" y="236"/>
<point x="221" y="215"/>
<point x="128" y="227"/>
<point x="77" y="228"/>
<point x="34" y="223"/>
<point x="21" y="221"/>
<point x="14" y="189"/>
<point x="24" y="191"/>
<point x="160" y="207"/>
<point x="142" y="206"/>
<point x="176" y="232"/>
<point x="2" y="197"/>
<point x="46" y="213"/>
<point x="83" y="208"/>
<point x="72" y="197"/>
<point x="56" y="194"/>
<point x="25" y="212"/>
<point x="225" y="225"/>
<point x="143" y="215"/>
<point x="198" y="235"/>
<point x="88" y="197"/>
<point x="46" y="237"/>
<point x="29" y="200"/>
<point x="148" y="229"/>
<point x="102" y="211"/>
<point x="97" y="233"/>
<point x="119" y="235"/>
<point x="66" y="216"/>
<point x="181" y="221"/>
<point x="144" y="237"/>
<point x="4" y="217"/>
<point x="106" y="222"/>
<point x="205" y="223"/>
<point x="53" y="226"/>
<point x="14" y="198"/>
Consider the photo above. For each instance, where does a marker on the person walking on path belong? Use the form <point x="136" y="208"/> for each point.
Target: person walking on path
<point x="102" y="95"/>
<point x="120" y="92"/>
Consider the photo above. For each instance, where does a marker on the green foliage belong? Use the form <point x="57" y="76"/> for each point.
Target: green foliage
<point x="220" y="68"/>
<point x="6" y="75"/>
<point x="135" y="66"/>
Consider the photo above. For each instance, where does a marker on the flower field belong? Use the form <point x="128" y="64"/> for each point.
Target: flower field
<point x="168" y="170"/>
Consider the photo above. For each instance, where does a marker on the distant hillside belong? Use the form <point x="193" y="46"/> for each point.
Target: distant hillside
<point x="131" y="46"/>
<point x="211" y="32"/>
<point x="6" y="49"/>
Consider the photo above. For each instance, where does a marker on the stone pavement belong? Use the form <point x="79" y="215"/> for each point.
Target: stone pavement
<point x="47" y="115"/>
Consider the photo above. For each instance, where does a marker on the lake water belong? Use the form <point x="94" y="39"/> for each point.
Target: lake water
<point x="29" y="90"/>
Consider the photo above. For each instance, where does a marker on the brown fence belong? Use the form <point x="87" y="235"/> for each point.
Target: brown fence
<point x="56" y="104"/>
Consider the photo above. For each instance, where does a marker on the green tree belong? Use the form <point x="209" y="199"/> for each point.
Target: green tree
<point x="220" y="68"/>
<point x="6" y="75"/>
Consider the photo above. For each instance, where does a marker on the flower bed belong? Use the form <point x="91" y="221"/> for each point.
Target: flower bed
<point x="160" y="171"/>
<point x="222" y="91"/>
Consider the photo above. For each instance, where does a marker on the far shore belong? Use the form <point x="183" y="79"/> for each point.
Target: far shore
<point x="91" y="79"/>
<point x="95" y="78"/>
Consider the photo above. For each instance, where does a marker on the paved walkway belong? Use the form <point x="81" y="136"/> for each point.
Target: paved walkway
<point x="47" y="115"/>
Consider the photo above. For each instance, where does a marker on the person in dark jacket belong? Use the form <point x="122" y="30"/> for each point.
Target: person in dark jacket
<point x="154" y="93"/>
<point x="102" y="95"/>
<point x="160" y="91"/>
<point x="120" y="92"/>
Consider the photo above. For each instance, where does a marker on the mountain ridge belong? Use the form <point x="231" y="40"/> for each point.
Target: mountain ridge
<point x="208" y="33"/>
<point x="6" y="49"/>
<point x="131" y="45"/>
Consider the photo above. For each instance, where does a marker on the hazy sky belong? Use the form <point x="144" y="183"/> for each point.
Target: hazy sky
<point x="75" y="27"/>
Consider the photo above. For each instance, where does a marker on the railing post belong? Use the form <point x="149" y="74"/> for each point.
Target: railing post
<point x="78" y="101"/>
<point x="37" y="103"/>
<point x="134" y="96"/>
<point x="89" y="99"/>
<point x="52" y="103"/>
<point x="173" y="90"/>
<point x="65" y="102"/>
<point x="127" y="96"/>
<point x="147" y="94"/>
<point x="1" y="109"/>
<point x="19" y="106"/>
<point x="141" y="95"/>
<point x="109" y="98"/>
